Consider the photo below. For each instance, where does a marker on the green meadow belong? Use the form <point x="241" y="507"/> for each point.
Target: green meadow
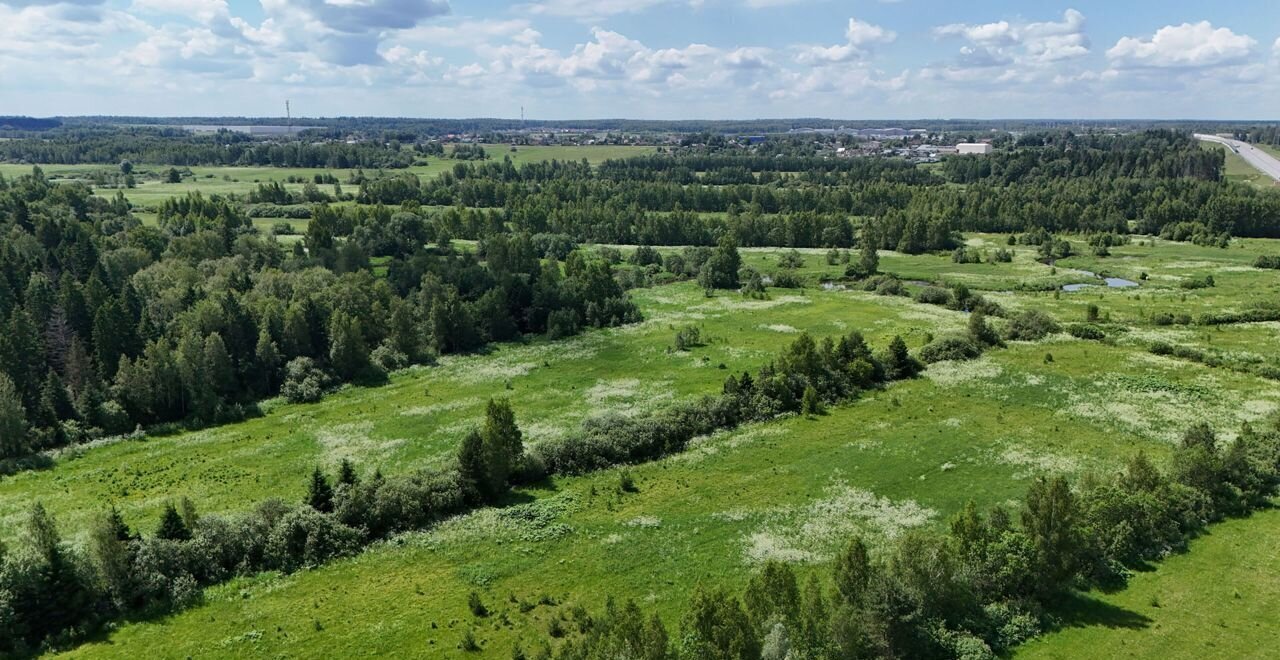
<point x="1217" y="601"/>
<point x="417" y="419"/>
<point x="791" y="489"/>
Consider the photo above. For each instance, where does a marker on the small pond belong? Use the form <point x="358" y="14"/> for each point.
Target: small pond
<point x="1112" y="282"/>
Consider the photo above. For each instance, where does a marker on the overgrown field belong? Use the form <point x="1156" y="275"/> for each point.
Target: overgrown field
<point x="793" y="489"/>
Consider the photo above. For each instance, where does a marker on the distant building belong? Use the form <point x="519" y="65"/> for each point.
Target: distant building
<point x="260" y="130"/>
<point x="973" y="148"/>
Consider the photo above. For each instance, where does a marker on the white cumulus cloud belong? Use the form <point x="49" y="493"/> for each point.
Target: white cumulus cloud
<point x="1188" y="45"/>
<point x="860" y="37"/>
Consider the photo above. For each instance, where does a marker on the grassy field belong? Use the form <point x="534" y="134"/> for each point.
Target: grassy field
<point x="792" y="489"/>
<point x="1217" y="601"/>
<point x="152" y="190"/>
<point x="1239" y="169"/>
<point x="417" y="418"/>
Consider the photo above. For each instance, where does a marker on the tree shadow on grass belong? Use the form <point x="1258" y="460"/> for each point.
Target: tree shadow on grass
<point x="32" y="462"/>
<point x="512" y="498"/>
<point x="1085" y="611"/>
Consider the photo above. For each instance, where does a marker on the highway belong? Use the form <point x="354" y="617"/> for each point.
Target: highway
<point x="1259" y="159"/>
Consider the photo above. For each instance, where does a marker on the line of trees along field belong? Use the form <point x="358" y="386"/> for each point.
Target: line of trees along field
<point x="108" y="324"/>
<point x="173" y="146"/>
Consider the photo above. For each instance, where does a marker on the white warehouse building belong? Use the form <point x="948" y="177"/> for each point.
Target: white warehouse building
<point x="973" y="148"/>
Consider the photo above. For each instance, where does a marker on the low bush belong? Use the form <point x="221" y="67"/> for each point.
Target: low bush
<point x="1030" y="325"/>
<point x="304" y="381"/>
<point x="1271" y="261"/>
<point x="1086" y="331"/>
<point x="932" y="295"/>
<point x="949" y="348"/>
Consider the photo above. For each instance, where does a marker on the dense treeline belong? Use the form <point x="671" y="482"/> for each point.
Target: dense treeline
<point x="108" y="324"/>
<point x="976" y="591"/>
<point x="27" y="124"/>
<point x="173" y="146"/>
<point x="1154" y="182"/>
<point x="806" y="375"/>
<point x="1147" y="155"/>
<point x="1259" y="134"/>
<point x="725" y="167"/>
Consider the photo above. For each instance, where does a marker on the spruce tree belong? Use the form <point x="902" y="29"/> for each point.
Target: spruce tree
<point x="898" y="361"/>
<point x="868" y="258"/>
<point x="267" y="361"/>
<point x="811" y="403"/>
<point x="319" y="492"/>
<point x="112" y="558"/>
<point x="113" y="335"/>
<point x="189" y="516"/>
<point x="296" y="340"/>
<point x="218" y="369"/>
<point x="347" y="473"/>
<point x="853" y="572"/>
<point x="1050" y="520"/>
<point x="172" y="527"/>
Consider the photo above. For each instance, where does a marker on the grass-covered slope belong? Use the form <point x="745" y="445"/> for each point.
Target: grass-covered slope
<point x="1217" y="601"/>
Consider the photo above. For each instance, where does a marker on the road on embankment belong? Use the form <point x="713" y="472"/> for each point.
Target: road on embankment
<point x="1259" y="159"/>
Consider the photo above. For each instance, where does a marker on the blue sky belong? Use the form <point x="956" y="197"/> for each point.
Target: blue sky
<point x="663" y="59"/>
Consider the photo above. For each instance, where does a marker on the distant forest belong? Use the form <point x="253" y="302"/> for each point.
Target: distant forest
<point x="27" y="124"/>
<point x="418" y="128"/>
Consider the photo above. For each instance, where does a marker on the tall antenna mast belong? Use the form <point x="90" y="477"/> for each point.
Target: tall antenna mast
<point x="288" y="118"/>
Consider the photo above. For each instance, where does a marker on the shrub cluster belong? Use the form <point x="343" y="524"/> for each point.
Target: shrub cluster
<point x="834" y="370"/>
<point x="51" y="593"/>
<point x="1030" y="325"/>
<point x="1254" y="315"/>
<point x="1213" y="359"/>
<point x="1271" y="261"/>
